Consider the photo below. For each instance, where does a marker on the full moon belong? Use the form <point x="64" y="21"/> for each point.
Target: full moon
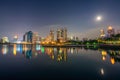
<point x="98" y="18"/>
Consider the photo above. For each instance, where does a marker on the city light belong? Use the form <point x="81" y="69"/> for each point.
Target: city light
<point x="112" y="60"/>
<point x="4" y="49"/>
<point x="14" y="50"/>
<point x="102" y="71"/>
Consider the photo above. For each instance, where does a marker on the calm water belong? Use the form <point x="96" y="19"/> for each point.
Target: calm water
<point x="37" y="62"/>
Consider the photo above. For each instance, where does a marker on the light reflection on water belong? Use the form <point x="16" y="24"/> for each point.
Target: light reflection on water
<point x="74" y="60"/>
<point x="61" y="52"/>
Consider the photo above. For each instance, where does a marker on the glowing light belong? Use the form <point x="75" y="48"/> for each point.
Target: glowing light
<point x="104" y="53"/>
<point x="102" y="71"/>
<point x="103" y="58"/>
<point x="72" y="51"/>
<point x="18" y="48"/>
<point x="42" y="49"/>
<point x="110" y="28"/>
<point x="14" y="49"/>
<point x="16" y="36"/>
<point x="4" y="49"/>
<point x="112" y="61"/>
<point x="60" y="51"/>
<point x="37" y="47"/>
<point x="25" y="48"/>
<point x="18" y="42"/>
<point x="98" y="18"/>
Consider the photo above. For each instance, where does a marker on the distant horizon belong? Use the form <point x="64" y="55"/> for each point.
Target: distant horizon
<point x="90" y="33"/>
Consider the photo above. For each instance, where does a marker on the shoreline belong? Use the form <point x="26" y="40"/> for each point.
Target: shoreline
<point x="51" y="45"/>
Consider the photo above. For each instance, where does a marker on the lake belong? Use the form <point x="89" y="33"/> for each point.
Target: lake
<point x="70" y="63"/>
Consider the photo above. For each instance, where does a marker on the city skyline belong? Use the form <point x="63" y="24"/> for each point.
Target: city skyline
<point x="20" y="16"/>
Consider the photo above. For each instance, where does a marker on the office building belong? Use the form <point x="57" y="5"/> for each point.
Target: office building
<point x="110" y="31"/>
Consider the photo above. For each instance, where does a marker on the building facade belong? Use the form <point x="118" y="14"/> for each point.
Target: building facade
<point x="110" y="31"/>
<point x="61" y="35"/>
<point x="102" y="33"/>
<point x="31" y="37"/>
<point x="4" y="40"/>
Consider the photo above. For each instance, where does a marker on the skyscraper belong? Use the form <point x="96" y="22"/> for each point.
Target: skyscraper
<point x="4" y="40"/>
<point x="58" y="35"/>
<point x="61" y="35"/>
<point x="51" y="35"/>
<point x="31" y="37"/>
<point x="110" y="31"/>
<point x="28" y="36"/>
<point x="102" y="33"/>
<point x="35" y="38"/>
<point x="15" y="39"/>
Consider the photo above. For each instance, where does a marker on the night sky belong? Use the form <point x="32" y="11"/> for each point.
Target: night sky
<point x="20" y="16"/>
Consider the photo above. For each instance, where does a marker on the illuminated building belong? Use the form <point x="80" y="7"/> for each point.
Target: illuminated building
<point x="15" y="38"/>
<point x="77" y="39"/>
<point x="28" y="36"/>
<point x="110" y="31"/>
<point x="31" y="37"/>
<point x="5" y="40"/>
<point x="35" y="38"/>
<point x="61" y="35"/>
<point x="74" y="38"/>
<point x="102" y="33"/>
<point x="51" y="34"/>
<point x="50" y="37"/>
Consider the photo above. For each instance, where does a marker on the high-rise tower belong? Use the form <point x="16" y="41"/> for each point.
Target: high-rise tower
<point x="110" y="31"/>
<point x="51" y="34"/>
<point x="102" y="33"/>
<point x="61" y="35"/>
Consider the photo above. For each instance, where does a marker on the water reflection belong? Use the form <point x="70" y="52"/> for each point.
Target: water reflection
<point x="4" y="49"/>
<point x="102" y="71"/>
<point x="114" y="55"/>
<point x="14" y="50"/>
<point x="61" y="54"/>
<point x="58" y="53"/>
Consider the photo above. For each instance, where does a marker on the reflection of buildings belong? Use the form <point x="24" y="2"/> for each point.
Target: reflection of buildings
<point x="104" y="54"/>
<point x="14" y="49"/>
<point x="114" y="55"/>
<point x="50" y="52"/>
<point x="102" y="71"/>
<point x="19" y="48"/>
<point x="61" y="54"/>
<point x="4" y="49"/>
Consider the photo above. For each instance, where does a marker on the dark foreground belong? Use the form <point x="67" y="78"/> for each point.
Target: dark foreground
<point x="36" y="62"/>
